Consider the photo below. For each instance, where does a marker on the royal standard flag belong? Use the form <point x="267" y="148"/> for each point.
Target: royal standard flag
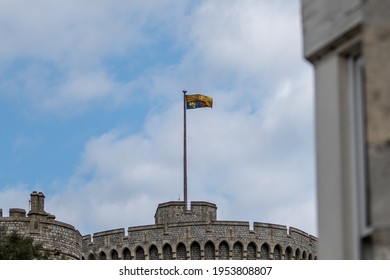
<point x="198" y="101"/>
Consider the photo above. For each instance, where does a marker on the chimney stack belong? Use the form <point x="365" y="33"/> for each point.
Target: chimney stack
<point x="34" y="202"/>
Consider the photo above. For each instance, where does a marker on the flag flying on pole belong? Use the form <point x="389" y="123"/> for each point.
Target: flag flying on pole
<point x="198" y="101"/>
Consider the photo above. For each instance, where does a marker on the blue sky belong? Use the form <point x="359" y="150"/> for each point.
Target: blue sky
<point x="91" y="109"/>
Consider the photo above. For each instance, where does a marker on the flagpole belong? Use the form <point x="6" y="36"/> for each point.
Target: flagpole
<point x="185" y="150"/>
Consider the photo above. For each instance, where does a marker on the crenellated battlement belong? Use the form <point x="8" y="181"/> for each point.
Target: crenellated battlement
<point x="180" y="233"/>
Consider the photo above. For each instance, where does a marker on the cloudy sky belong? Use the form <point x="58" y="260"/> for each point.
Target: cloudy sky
<point x="91" y="109"/>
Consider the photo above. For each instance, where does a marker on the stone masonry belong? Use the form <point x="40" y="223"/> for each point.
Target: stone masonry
<point x="178" y="233"/>
<point x="59" y="240"/>
<point x="195" y="233"/>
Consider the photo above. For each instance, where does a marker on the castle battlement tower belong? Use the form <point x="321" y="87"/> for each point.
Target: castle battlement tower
<point x="60" y="240"/>
<point x="175" y="212"/>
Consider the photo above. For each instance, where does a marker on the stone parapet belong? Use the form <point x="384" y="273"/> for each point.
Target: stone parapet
<point x="175" y="237"/>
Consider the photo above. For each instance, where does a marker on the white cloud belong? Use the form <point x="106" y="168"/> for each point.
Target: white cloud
<point x="252" y="154"/>
<point x="72" y="32"/>
<point x="252" y="170"/>
<point x="249" y="38"/>
<point x="16" y="196"/>
<point x="58" y="54"/>
<point x="84" y="89"/>
<point x="54" y="49"/>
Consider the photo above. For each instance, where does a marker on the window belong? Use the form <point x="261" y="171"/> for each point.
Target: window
<point x="153" y="253"/>
<point x="195" y="251"/>
<point x="114" y="255"/>
<point x="358" y="148"/>
<point x="238" y="251"/>
<point x="251" y="251"/>
<point x="223" y="251"/>
<point x="139" y="253"/>
<point x="181" y="252"/>
<point x="209" y="251"/>
<point x="167" y="252"/>
<point x="264" y="252"/>
<point x="288" y="254"/>
<point x="126" y="254"/>
<point x="277" y="253"/>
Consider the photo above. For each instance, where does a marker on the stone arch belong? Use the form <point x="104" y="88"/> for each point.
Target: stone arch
<point x="238" y="251"/>
<point x="139" y="253"/>
<point x="167" y="252"/>
<point x="195" y="251"/>
<point x="223" y="251"/>
<point x="251" y="251"/>
<point x="297" y="254"/>
<point x="310" y="257"/>
<point x="209" y="251"/>
<point x="264" y="252"/>
<point x="126" y="254"/>
<point x="304" y="255"/>
<point x="153" y="252"/>
<point x="102" y="256"/>
<point x="181" y="251"/>
<point x="114" y="254"/>
<point x="277" y="252"/>
<point x="91" y="256"/>
<point x="288" y="253"/>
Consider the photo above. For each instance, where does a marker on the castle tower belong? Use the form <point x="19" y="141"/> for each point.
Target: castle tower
<point x="174" y="212"/>
<point x="60" y="241"/>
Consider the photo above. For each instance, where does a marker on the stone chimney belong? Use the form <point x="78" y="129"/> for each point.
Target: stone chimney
<point x="41" y="202"/>
<point x="37" y="200"/>
<point x="34" y="202"/>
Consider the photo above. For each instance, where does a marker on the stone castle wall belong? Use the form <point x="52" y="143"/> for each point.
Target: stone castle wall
<point x="59" y="240"/>
<point x="179" y="232"/>
<point x="195" y="233"/>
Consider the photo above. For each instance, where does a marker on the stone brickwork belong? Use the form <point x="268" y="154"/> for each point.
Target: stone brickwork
<point x="59" y="240"/>
<point x="376" y="48"/>
<point x="178" y="233"/>
<point x="176" y="212"/>
<point x="195" y="233"/>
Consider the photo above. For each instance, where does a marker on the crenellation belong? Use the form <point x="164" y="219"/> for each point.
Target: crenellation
<point x="242" y="231"/>
<point x="17" y="212"/>
<point x="263" y="231"/>
<point x="178" y="233"/>
<point x="135" y="237"/>
<point x="232" y="237"/>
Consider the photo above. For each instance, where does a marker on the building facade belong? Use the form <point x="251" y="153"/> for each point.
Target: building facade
<point x="348" y="43"/>
<point x="178" y="233"/>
